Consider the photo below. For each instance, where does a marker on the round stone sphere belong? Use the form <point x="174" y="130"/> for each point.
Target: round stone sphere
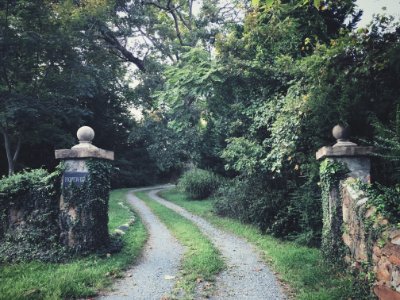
<point x="85" y="134"/>
<point x="341" y="133"/>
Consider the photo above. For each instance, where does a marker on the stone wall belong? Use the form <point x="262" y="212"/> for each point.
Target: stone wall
<point x="372" y="243"/>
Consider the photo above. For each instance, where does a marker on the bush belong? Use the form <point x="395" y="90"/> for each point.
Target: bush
<point x="284" y="208"/>
<point x="250" y="202"/>
<point x="199" y="184"/>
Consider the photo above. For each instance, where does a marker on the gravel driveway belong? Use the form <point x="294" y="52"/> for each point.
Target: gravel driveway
<point x="246" y="277"/>
<point x="153" y="276"/>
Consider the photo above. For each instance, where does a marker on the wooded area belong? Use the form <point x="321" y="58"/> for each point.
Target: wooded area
<point x="247" y="90"/>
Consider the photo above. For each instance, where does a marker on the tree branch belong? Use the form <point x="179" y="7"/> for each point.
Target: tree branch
<point x="156" y="44"/>
<point x="109" y="37"/>
<point x="172" y="10"/>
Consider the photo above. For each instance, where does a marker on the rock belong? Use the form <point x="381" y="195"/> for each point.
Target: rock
<point x="375" y="259"/>
<point x="394" y="233"/>
<point x="377" y="251"/>
<point x="123" y="228"/>
<point x="395" y="240"/>
<point x="384" y="270"/>
<point x="396" y="279"/>
<point x="391" y="249"/>
<point x="385" y="293"/>
<point x="394" y="260"/>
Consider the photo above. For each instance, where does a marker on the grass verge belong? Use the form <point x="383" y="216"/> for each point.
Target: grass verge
<point x="201" y="261"/>
<point x="80" y="277"/>
<point x="301" y="267"/>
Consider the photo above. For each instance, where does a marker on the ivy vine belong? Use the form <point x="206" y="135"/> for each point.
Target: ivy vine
<point x="331" y="173"/>
<point x="29" y="216"/>
<point x="90" y="204"/>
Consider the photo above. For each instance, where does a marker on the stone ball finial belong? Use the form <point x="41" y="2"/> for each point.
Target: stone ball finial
<point x="340" y="133"/>
<point x="85" y="134"/>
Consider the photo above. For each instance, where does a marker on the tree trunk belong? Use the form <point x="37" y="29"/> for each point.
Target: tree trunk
<point x="11" y="159"/>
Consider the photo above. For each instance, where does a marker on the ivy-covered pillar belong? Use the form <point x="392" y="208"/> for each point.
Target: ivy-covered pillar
<point x="339" y="162"/>
<point x="85" y="186"/>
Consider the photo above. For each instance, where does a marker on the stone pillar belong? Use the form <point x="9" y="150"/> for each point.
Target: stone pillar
<point x="357" y="160"/>
<point x="85" y="189"/>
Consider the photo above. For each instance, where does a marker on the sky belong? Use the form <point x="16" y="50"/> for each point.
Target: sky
<point x="371" y="7"/>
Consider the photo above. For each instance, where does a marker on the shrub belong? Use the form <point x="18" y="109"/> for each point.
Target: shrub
<point x="248" y="200"/>
<point x="199" y="184"/>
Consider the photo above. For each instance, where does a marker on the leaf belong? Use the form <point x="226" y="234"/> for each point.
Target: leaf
<point x="255" y="3"/>
<point x="269" y="3"/>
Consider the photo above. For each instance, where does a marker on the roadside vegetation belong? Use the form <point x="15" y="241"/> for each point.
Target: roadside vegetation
<point x="201" y="261"/>
<point x="243" y="92"/>
<point x="301" y="267"/>
<point x="82" y="277"/>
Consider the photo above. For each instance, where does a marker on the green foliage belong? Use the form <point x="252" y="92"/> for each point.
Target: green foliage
<point x="56" y="76"/>
<point x="242" y="155"/>
<point x="253" y="201"/>
<point x="90" y="203"/>
<point x="29" y="219"/>
<point x="386" y="200"/>
<point x="386" y="144"/>
<point x="199" y="184"/>
<point x="331" y="172"/>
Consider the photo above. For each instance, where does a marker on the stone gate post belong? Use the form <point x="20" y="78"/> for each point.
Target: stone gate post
<point x="85" y="190"/>
<point x="357" y="160"/>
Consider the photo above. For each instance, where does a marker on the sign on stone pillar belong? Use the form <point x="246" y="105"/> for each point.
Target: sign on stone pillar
<point x="85" y="191"/>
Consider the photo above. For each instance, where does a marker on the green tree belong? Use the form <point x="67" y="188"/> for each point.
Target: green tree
<point x="53" y="74"/>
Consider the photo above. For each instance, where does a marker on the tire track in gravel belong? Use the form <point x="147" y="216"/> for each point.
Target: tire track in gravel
<point x="161" y="257"/>
<point x="247" y="277"/>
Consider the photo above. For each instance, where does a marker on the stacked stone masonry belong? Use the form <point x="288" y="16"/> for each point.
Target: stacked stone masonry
<point x="381" y="253"/>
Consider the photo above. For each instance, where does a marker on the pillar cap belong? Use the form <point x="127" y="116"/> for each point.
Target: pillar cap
<point x="85" y="148"/>
<point x="343" y="147"/>
<point x="344" y="151"/>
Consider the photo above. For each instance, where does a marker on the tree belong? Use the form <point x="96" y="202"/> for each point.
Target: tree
<point x="52" y="69"/>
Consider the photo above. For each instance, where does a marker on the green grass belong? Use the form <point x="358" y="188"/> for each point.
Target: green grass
<point x="303" y="268"/>
<point x="80" y="277"/>
<point x="201" y="259"/>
